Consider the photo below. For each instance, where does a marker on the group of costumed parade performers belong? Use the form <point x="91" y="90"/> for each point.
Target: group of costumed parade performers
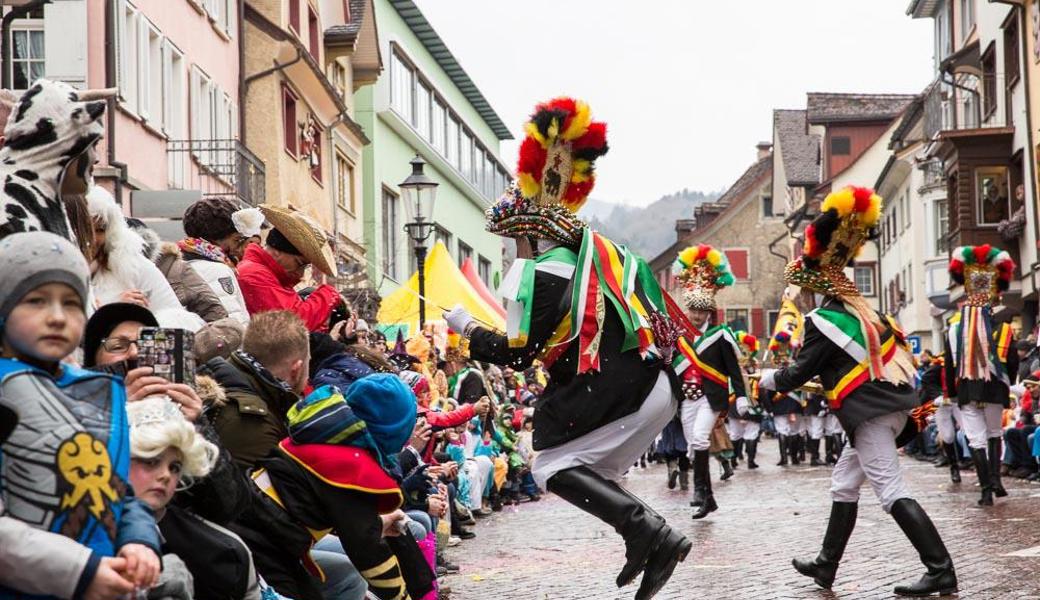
<point x="625" y="360"/>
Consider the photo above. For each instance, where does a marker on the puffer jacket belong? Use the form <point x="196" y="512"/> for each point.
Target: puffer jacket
<point x="192" y="290"/>
<point x="222" y="279"/>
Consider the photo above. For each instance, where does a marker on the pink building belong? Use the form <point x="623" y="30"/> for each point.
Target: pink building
<point x="172" y="135"/>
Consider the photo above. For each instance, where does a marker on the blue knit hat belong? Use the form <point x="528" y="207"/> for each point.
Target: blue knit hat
<point x="387" y="407"/>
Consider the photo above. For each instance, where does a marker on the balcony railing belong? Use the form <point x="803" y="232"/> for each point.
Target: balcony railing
<point x="968" y="102"/>
<point x="218" y="168"/>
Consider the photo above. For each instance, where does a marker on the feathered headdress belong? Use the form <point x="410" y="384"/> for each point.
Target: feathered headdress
<point x="702" y="271"/>
<point x="748" y="344"/>
<point x="780" y="347"/>
<point x="984" y="271"/>
<point x="554" y="174"/>
<point x="457" y="349"/>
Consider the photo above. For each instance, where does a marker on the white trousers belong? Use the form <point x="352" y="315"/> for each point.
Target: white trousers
<point x="611" y="450"/>
<point x="742" y="430"/>
<point x="816" y="425"/>
<point x="698" y="419"/>
<point x="478" y="469"/>
<point x="874" y="459"/>
<point x="980" y="424"/>
<point x="831" y="425"/>
<point x="945" y="417"/>
<point x="782" y="424"/>
<point x="800" y="424"/>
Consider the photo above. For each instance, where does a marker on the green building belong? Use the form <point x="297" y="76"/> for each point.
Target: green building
<point x="425" y="103"/>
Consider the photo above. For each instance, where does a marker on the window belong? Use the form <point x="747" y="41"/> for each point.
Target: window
<point x="1012" y="64"/>
<point x="773" y="317"/>
<point x="401" y="90"/>
<point x="464" y="252"/>
<point x="466" y="156"/>
<point x="313" y="35"/>
<point x="943" y="43"/>
<point x="737" y="318"/>
<point x="992" y="201"/>
<point x="841" y="146"/>
<point x="315" y="155"/>
<point x="344" y="183"/>
<point x="908" y="274"/>
<point x="422" y="110"/>
<point x="294" y="16"/>
<point x="484" y="270"/>
<point x="149" y="102"/>
<point x="338" y="77"/>
<point x="289" y="121"/>
<point x="220" y="12"/>
<point x="127" y="53"/>
<point x="390" y="207"/>
<point x="437" y="127"/>
<point x="767" y="206"/>
<point x="27" y="55"/>
<point x="452" y="144"/>
<point x="967" y="17"/>
<point x="441" y="234"/>
<point x="942" y="227"/>
<point x="989" y="81"/>
<point x="738" y="262"/>
<point x="863" y="277"/>
<point x="173" y="94"/>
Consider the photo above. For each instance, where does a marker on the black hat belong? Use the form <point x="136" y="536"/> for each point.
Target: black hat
<point x="107" y="318"/>
<point x="8" y="419"/>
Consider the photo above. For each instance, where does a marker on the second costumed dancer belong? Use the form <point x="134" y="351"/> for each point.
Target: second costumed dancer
<point x="866" y="369"/>
<point x="596" y="317"/>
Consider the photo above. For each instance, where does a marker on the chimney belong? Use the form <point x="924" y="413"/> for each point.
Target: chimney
<point x="764" y="149"/>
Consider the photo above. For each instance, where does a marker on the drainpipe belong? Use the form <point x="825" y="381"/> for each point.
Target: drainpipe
<point x="110" y="113"/>
<point x="5" y="30"/>
<point x="773" y="244"/>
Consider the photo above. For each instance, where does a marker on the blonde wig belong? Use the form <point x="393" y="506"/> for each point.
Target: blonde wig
<point x="156" y="423"/>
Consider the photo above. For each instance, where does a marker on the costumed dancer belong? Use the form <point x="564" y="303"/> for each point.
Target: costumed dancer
<point x="816" y="417"/>
<point x="866" y="368"/>
<point x="784" y="406"/>
<point x="947" y="414"/>
<point x="707" y="365"/>
<point x="744" y="425"/>
<point x="594" y="314"/>
<point x="981" y="362"/>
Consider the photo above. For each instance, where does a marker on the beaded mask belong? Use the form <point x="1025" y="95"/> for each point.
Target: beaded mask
<point x="984" y="271"/>
<point x="702" y="271"/>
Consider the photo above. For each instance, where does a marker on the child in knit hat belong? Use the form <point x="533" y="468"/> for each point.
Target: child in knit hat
<point x="65" y="465"/>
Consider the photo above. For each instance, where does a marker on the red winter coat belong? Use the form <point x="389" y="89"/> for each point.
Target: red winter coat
<point x="266" y="286"/>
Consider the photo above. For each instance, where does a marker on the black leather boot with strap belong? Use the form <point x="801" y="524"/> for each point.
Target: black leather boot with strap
<point x="951" y="458"/>
<point x="824" y="567"/>
<point x="702" y="478"/>
<point x="940" y="578"/>
<point x="752" y="452"/>
<point x="782" y="444"/>
<point x="642" y="529"/>
<point x="814" y="452"/>
<point x="978" y="456"/>
<point x="994" y="467"/>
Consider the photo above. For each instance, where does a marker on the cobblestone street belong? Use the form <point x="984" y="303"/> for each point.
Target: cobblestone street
<point x="550" y="550"/>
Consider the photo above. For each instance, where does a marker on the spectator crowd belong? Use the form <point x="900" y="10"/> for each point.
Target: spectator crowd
<point x="281" y="449"/>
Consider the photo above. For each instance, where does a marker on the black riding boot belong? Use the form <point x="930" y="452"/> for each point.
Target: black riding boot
<point x="727" y="468"/>
<point x="684" y="473"/>
<point x="915" y="523"/>
<point x="839" y="527"/>
<point x="702" y="481"/>
<point x="752" y="451"/>
<point x="994" y="467"/>
<point x="978" y="456"/>
<point x="828" y="448"/>
<point x="950" y="450"/>
<point x="794" y="448"/>
<point x="673" y="473"/>
<point x="782" y="444"/>
<point x="738" y="452"/>
<point x="642" y="529"/>
<point x="814" y="452"/>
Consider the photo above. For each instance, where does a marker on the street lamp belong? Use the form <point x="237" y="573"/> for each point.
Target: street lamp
<point x="419" y="192"/>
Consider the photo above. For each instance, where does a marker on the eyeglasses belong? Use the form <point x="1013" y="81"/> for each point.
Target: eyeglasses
<point x="301" y="263"/>
<point x="117" y="345"/>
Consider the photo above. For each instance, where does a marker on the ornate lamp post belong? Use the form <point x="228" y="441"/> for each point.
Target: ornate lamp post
<point x="419" y="192"/>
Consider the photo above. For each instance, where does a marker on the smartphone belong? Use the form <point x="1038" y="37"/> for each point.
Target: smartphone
<point x="120" y="368"/>
<point x="169" y="352"/>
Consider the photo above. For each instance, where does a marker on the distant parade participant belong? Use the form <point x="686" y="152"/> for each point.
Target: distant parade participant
<point x="744" y="424"/>
<point x="786" y="406"/>
<point x="947" y="415"/>
<point x="707" y="365"/>
<point x="981" y="362"/>
<point x="594" y="314"/>
<point x="816" y="417"/>
<point x="866" y="368"/>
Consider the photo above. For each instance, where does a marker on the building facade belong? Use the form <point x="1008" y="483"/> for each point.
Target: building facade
<point x="427" y="105"/>
<point x="741" y="223"/>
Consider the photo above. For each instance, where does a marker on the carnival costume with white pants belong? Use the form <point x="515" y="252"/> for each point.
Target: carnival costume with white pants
<point x="865" y="366"/>
<point x="595" y="315"/>
<point x="981" y="363"/>
<point x="947" y="414"/>
<point x="698" y="419"/>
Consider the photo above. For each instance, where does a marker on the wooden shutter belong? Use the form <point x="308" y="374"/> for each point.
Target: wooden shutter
<point x="758" y="327"/>
<point x="738" y="263"/>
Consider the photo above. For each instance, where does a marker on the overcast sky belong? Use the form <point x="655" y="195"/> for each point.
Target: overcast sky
<point x="686" y="87"/>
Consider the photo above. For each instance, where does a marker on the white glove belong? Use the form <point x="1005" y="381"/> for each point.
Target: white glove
<point x="743" y="405"/>
<point x="767" y="379"/>
<point x="458" y="319"/>
<point x="938" y="401"/>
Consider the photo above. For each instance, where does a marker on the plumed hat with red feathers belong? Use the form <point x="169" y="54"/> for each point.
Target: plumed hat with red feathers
<point x="554" y="174"/>
<point x="985" y="271"/>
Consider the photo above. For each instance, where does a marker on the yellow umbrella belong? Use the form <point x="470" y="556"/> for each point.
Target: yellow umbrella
<point x="446" y="286"/>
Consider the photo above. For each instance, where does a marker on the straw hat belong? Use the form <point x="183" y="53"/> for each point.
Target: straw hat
<point x="303" y="233"/>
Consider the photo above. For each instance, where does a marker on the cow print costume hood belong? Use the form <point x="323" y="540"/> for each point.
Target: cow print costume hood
<point x="51" y="125"/>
